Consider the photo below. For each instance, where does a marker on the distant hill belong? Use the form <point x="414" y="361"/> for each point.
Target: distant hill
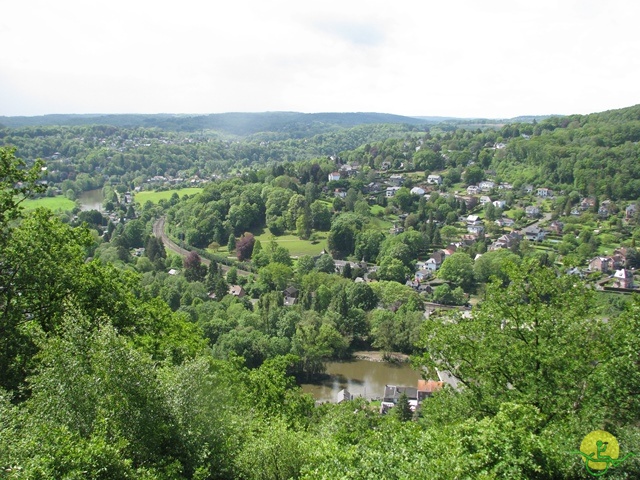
<point x="230" y="123"/>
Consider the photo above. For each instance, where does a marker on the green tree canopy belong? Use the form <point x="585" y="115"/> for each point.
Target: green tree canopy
<point x="458" y="269"/>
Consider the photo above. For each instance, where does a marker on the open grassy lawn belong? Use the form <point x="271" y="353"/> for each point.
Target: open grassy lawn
<point x="295" y="246"/>
<point x="376" y="209"/>
<point x="155" y="197"/>
<point x="382" y="224"/>
<point x="57" y="203"/>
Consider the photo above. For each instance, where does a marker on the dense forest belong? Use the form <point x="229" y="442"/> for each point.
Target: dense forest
<point x="114" y="366"/>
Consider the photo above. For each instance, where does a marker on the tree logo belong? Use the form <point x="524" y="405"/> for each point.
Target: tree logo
<point x="600" y="451"/>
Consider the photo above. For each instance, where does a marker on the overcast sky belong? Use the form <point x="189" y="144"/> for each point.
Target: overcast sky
<point x="465" y="58"/>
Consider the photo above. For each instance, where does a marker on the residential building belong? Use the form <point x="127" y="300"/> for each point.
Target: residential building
<point x="623" y="278"/>
<point x="606" y="209"/>
<point x="473" y="220"/>
<point x="505" y="241"/>
<point x="392" y="394"/>
<point x="237" y="291"/>
<point x="532" y="211"/>
<point x="334" y="176"/>
<point x="505" y="222"/>
<point x="343" y="396"/>
<point x="475" y="229"/>
<point x="556" y="227"/>
<point x="391" y="191"/>
<point x="600" y="264"/>
<point x="586" y="203"/>
<point x="396" y="179"/>
<point x="534" y="233"/>
<point x="434" y="261"/>
<point x="434" y="179"/>
<point x="630" y="211"/>
<point x="422" y="274"/>
<point x="487" y="185"/>
<point x="426" y="388"/>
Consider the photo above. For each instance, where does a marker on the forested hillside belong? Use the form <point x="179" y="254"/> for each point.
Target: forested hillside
<point x="292" y="124"/>
<point x="167" y="338"/>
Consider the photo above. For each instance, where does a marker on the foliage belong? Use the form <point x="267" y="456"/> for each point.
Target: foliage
<point x="244" y="246"/>
<point x="342" y="236"/>
<point x="458" y="269"/>
<point x="493" y="264"/>
<point x="402" y="410"/>
<point x="194" y="269"/>
<point x="16" y="184"/>
<point x="516" y="346"/>
<point x="107" y="373"/>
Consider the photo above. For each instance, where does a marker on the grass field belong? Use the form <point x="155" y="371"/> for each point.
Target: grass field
<point x="382" y="224"/>
<point x="296" y="246"/>
<point x="376" y="209"/>
<point x="155" y="197"/>
<point x="58" y="203"/>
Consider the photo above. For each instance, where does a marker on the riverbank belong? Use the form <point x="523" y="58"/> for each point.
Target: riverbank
<point x="377" y="356"/>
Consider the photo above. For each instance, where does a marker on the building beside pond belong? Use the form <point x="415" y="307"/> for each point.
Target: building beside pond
<point x="416" y="395"/>
<point x="344" y="396"/>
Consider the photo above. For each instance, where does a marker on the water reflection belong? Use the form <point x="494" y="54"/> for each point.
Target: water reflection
<point x="361" y="378"/>
<point x="91" y="200"/>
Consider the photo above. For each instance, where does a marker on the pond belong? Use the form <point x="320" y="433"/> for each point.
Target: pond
<point x="91" y="200"/>
<point x="363" y="378"/>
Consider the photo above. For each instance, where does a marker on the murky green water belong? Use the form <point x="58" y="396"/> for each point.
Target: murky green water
<point x="91" y="200"/>
<point x="361" y="378"/>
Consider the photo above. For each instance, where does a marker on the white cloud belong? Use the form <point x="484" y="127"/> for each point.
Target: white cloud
<point x="498" y="58"/>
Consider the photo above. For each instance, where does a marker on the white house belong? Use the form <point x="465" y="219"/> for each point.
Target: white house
<point x="422" y="274"/>
<point x="623" y="278"/>
<point x="473" y="220"/>
<point x="473" y="190"/>
<point x="434" y="179"/>
<point x="484" y="200"/>
<point x="391" y="191"/>
<point x="334" y="176"/>
<point x="499" y="204"/>
<point x="475" y="229"/>
<point x="505" y="222"/>
<point x="544" y="192"/>
<point x="418" y="191"/>
<point x="486" y="185"/>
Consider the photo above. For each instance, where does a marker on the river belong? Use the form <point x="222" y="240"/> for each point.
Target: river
<point x="91" y="200"/>
<point x="361" y="378"/>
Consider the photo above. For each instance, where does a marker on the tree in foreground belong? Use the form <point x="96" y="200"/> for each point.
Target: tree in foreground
<point x="402" y="410"/>
<point x="537" y="341"/>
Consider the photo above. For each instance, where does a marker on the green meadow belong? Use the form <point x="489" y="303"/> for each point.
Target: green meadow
<point x="155" y="197"/>
<point x="296" y="246"/>
<point x="57" y="203"/>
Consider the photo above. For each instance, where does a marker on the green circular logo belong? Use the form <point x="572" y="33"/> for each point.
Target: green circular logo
<point x="600" y="451"/>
